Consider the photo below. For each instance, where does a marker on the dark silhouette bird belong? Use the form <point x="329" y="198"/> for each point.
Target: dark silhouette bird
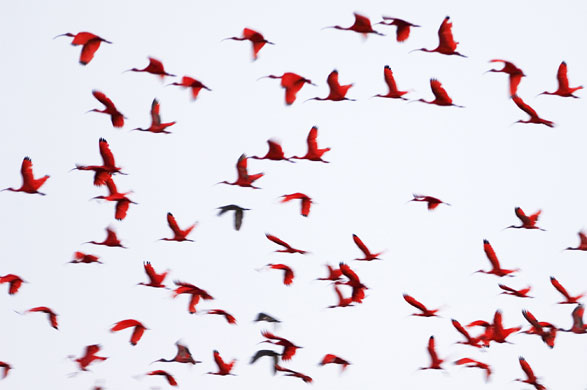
<point x="81" y="257"/>
<point x="306" y="201"/>
<point x="14" y="282"/>
<point x="227" y="316"/>
<point x="137" y="332"/>
<point x="287" y="248"/>
<point x="90" y="44"/>
<point x="441" y="97"/>
<point x="275" y="153"/>
<point x="314" y="153"/>
<point x="223" y="368"/>
<point x="393" y="92"/>
<point x="563" y="83"/>
<point x="582" y="243"/>
<point x="178" y="234"/>
<point x="156" y="125"/>
<point x="51" y="315"/>
<point x="30" y="185"/>
<point x="293" y="373"/>
<point x="170" y="379"/>
<point x="403" y="27"/>
<point x="292" y="83"/>
<point x="183" y="355"/>
<point x="244" y="179"/>
<point x="496" y="267"/>
<point x="193" y="84"/>
<point x="256" y="38"/>
<point x="5" y="368"/>
<point x="337" y="92"/>
<point x="530" y="377"/>
<point x="155" y="67"/>
<point x="472" y="363"/>
<point x="528" y="222"/>
<point x="266" y="352"/>
<point x="105" y="171"/>
<point x="522" y="293"/>
<point x="431" y="201"/>
<point x="446" y="42"/>
<point x="155" y="279"/>
<point x="333" y="359"/>
<point x="425" y="312"/>
<point x="514" y="73"/>
<point x="362" y="25"/>
<point x="111" y="239"/>
<point x="569" y="299"/>
<point x="89" y="356"/>
<point x="435" y="361"/>
<point x="368" y="255"/>
<point x="534" y="118"/>
<point x="115" y="116"/>
<point x="267" y="318"/>
<point x="239" y="213"/>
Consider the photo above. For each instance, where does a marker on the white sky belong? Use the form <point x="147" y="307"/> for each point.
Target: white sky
<point x="382" y="151"/>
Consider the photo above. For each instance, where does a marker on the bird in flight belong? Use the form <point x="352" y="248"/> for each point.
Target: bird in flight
<point x="239" y="213"/>
<point x="522" y="293"/>
<point x="337" y="92"/>
<point x="137" y="332"/>
<point x="5" y="368"/>
<point x="402" y="27"/>
<point x="155" y="280"/>
<point x="193" y="84"/>
<point x="223" y="368"/>
<point x="51" y="315"/>
<point x="515" y="74"/>
<point x="446" y="42"/>
<point x="227" y="316"/>
<point x="362" y="25"/>
<point x="289" y="348"/>
<point x="178" y="234"/>
<point x="368" y="255"/>
<point x="256" y="38"/>
<point x="582" y="243"/>
<point x="14" y="282"/>
<point x="81" y="257"/>
<point x="275" y="152"/>
<point x="287" y="248"/>
<point x="183" y="355"/>
<point x="30" y="185"/>
<point x="105" y="171"/>
<point x="90" y="44"/>
<point x="156" y="125"/>
<point x="495" y="266"/>
<point x="314" y="153"/>
<point x="441" y="97"/>
<point x="393" y="91"/>
<point x="306" y="201"/>
<point x="121" y="199"/>
<point x="569" y="299"/>
<point x="333" y="359"/>
<point x="292" y="83"/>
<point x="468" y="362"/>
<point x="534" y="118"/>
<point x="116" y="116"/>
<point x="435" y="361"/>
<point x="170" y="379"/>
<point x="89" y="356"/>
<point x="244" y="179"/>
<point x="530" y="377"/>
<point x="267" y="318"/>
<point x="563" y="83"/>
<point x="528" y="222"/>
<point x="425" y="312"/>
<point x="288" y="274"/>
<point x="111" y="239"/>
<point x="431" y="201"/>
<point x="155" y="67"/>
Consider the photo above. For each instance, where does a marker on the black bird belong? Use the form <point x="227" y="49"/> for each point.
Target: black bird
<point x="266" y="352"/>
<point x="266" y="317"/>
<point x="238" y="214"/>
<point x="183" y="355"/>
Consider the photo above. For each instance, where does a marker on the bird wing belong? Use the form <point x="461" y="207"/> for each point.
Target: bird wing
<point x="332" y="81"/>
<point x="559" y="287"/>
<point x="26" y="170"/>
<point x="361" y="245"/>
<point x="125" y="324"/>
<point x="219" y="362"/>
<point x="461" y="329"/>
<point x="121" y="209"/>
<point x="561" y="76"/>
<point x="362" y="23"/>
<point x="403" y="30"/>
<point x="88" y="50"/>
<point x="534" y="217"/>
<point x="173" y="224"/>
<point x="577" y="315"/>
<point x="102" y="98"/>
<point x="527" y="369"/>
<point x="445" y="37"/>
<point x="150" y="272"/>
<point x="432" y="349"/>
<point x="106" y="153"/>
<point x="313" y="139"/>
<point x="418" y="305"/>
<point x="328" y="358"/>
<point x="277" y="241"/>
<point x="241" y="167"/>
<point x="306" y="204"/>
<point x="155" y="118"/>
<point x="349" y="273"/>
<point x="110" y="235"/>
<point x="389" y="80"/>
<point x="523" y="106"/>
<point x="506" y="288"/>
<point x="582" y="238"/>
<point x="490" y="253"/>
<point x="521" y="215"/>
<point x="238" y="218"/>
<point x="439" y="92"/>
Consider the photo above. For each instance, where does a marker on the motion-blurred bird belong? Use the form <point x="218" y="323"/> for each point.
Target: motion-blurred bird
<point x="496" y="267"/>
<point x="244" y="179"/>
<point x="582" y="243"/>
<point x="239" y="213"/>
<point x="534" y="118"/>
<point x="292" y="83"/>
<point x="267" y="318"/>
<point x="431" y="201"/>
<point x="403" y="27"/>
<point x="287" y="248"/>
<point x="178" y="234"/>
<point x="195" y="85"/>
<point x="256" y="38"/>
<point x="81" y="257"/>
<point x="435" y="361"/>
<point x="14" y="282"/>
<point x="306" y="201"/>
<point x="156" y="125"/>
<point x="530" y="377"/>
<point x="223" y="368"/>
<point x="155" y="67"/>
<point x="333" y="359"/>
<point x="393" y="92"/>
<point x="51" y="315"/>
<point x="89" y="356"/>
<point x="563" y="83"/>
<point x="111" y="239"/>
<point x="528" y="222"/>
<point x="30" y="185"/>
<point x="569" y="299"/>
<point x="121" y="199"/>
<point x="5" y="368"/>
<point x="441" y="97"/>
<point x="183" y="355"/>
<point x="362" y="25"/>
<point x="288" y="274"/>
<point x="275" y="152"/>
<point x="137" y="332"/>
<point x="170" y="379"/>
<point x="446" y="42"/>
<point x="425" y="312"/>
<point x="368" y="255"/>
<point x="337" y="92"/>
<point x="522" y="293"/>
<point x="227" y="316"/>
<point x="289" y="348"/>
<point x="314" y="153"/>
<point x="90" y="44"/>
<point x="468" y="362"/>
<point x="105" y="171"/>
<point x="515" y="74"/>
<point x="115" y="116"/>
<point x="155" y="279"/>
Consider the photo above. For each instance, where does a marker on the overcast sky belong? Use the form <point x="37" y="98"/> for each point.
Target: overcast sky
<point x="383" y="150"/>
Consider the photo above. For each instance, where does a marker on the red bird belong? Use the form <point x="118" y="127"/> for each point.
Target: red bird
<point x="14" y="282"/>
<point x="156" y="125"/>
<point x="275" y="153"/>
<point x="568" y="297"/>
<point x="81" y="257"/>
<point x="183" y="355"/>
<point x="522" y="293"/>
<point x="531" y="378"/>
<point x="288" y="274"/>
<point x="472" y="341"/>
<point x="89" y="357"/>
<point x="122" y="202"/>
<point x="155" y="279"/>
<point x="223" y="368"/>
<point x="107" y="169"/>
<point x="362" y="25"/>
<point x="578" y="326"/>
<point x="90" y="44"/>
<point x="333" y="274"/>
<point x="50" y="313"/>
<point x="337" y="92"/>
<point x="289" y="348"/>
<point x="155" y="67"/>
<point x="563" y="83"/>
<point x="293" y="373"/>
<point x="435" y="361"/>
<point x="393" y="92"/>
<point x="137" y="333"/>
<point x="227" y="316"/>
<point x="534" y="118"/>
<point x="170" y="379"/>
<point x="418" y="305"/>
<point x="111" y="239"/>
<point x="446" y="42"/>
<point x="5" y="368"/>
<point x="333" y="359"/>
<point x="195" y="85"/>
<point x="115" y="116"/>
<point x="30" y="185"/>
<point x="178" y="234"/>
<point x="430" y="200"/>
<point x="498" y="332"/>
<point x="368" y="255"/>
<point x="582" y="243"/>
<point x="244" y="179"/>
<point x="515" y="74"/>
<point x="195" y="292"/>
<point x="528" y="222"/>
<point x="359" y="288"/>
<point x="441" y="97"/>
<point x="306" y="201"/>
<point x="539" y="328"/>
<point x="468" y="362"/>
<point x="292" y="83"/>
<point x="342" y="301"/>
<point x="314" y="153"/>
<point x="256" y="39"/>
<point x="287" y="248"/>
<point x="403" y="27"/>
<point x="496" y="267"/>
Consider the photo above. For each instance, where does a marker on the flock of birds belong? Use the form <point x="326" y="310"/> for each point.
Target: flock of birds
<point x="346" y="284"/>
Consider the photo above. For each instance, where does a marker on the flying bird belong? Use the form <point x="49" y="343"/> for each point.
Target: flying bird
<point x="89" y="356"/>
<point x="227" y="316"/>
<point x="121" y="199"/>
<point x="425" y="312"/>
<point x="81" y="257"/>
<point x="578" y="327"/>
<point x="582" y="243"/>
<point x="435" y="361"/>
<point x="431" y="201"/>
<point x="292" y="83"/>
<point x="306" y="201"/>
<point x="288" y="274"/>
<point x="393" y="91"/>
<point x="441" y="97"/>
<point x="333" y="359"/>
<point x="522" y="293"/>
<point x="403" y="27"/>
<point x="105" y="171"/>
<point x="109" y="108"/>
<point x="111" y="239"/>
<point x="337" y="92"/>
<point x="156" y="125"/>
<point x="266" y="352"/>
<point x="183" y="355"/>
<point x="51" y="315"/>
<point x="362" y="25"/>
<point x="193" y="84"/>
<point x="342" y="301"/>
<point x="534" y="118"/>
<point x="528" y="222"/>
<point x="155" y="279"/>
<point x="239" y="213"/>
<point x="137" y="332"/>
<point x="354" y="281"/>
<point x="195" y="292"/>
<point x="244" y="179"/>
<point x="256" y="38"/>
<point x="569" y="299"/>
<point x="30" y="185"/>
<point x="178" y="234"/>
<point x="267" y="318"/>
<point x="314" y="153"/>
<point x="530" y="377"/>
<point x="472" y="363"/>
<point x="155" y="67"/>
<point x="287" y="248"/>
<point x="275" y="152"/>
<point x="333" y="274"/>
<point x="293" y="373"/>
<point x="495" y="266"/>
<point x="14" y="282"/>
<point x="5" y="368"/>
<point x="472" y="341"/>
<point x="368" y="255"/>
<point x="170" y="379"/>
<point x="223" y="368"/>
<point x="563" y="83"/>
<point x="514" y="73"/>
<point x="446" y="42"/>
<point x="289" y="348"/>
<point x="90" y="44"/>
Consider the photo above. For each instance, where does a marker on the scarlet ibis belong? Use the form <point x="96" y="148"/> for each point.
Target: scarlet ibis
<point x="178" y="234"/>
<point x="137" y="332"/>
<point x="496" y="267"/>
<point x="403" y="27"/>
<point x="267" y="318"/>
<point x="393" y="91"/>
<point x="425" y="312"/>
<point x="155" y="67"/>
<point x="292" y="83"/>
<point x="183" y="355"/>
<point x="431" y="201"/>
<point x="362" y="25"/>
<point x="89" y="356"/>
<point x="239" y="213"/>
<point x="81" y="257"/>
<point x="441" y="97"/>
<point x="563" y="83"/>
<point x="195" y="292"/>
<point x="5" y="368"/>
<point x="530" y="377"/>
<point x="333" y="274"/>
<point x="195" y="85"/>
<point x="528" y="222"/>
<point x="244" y="179"/>
<point x="306" y="201"/>
<point x="568" y="297"/>
<point x="156" y="125"/>
<point x="288" y="274"/>
<point x="468" y="362"/>
<point x="498" y="333"/>
<point x="472" y="341"/>
<point x="333" y="359"/>
<point x="170" y="379"/>
<point x="582" y="243"/>
<point x="539" y="328"/>
<point x="155" y="279"/>
<point x="534" y="118"/>
<point x="30" y="185"/>
<point x="111" y="239"/>
<point x="515" y="74"/>
<point x="287" y="248"/>
<point x="337" y="92"/>
<point x="522" y="293"/>
<point x="578" y="326"/>
<point x="51" y="315"/>
<point x="446" y="42"/>
<point x="342" y="301"/>
<point x="354" y="281"/>
<point x="289" y="348"/>
<point x="223" y="368"/>
<point x="115" y="116"/>
<point x="314" y="153"/>
<point x="293" y="373"/>
<point x="368" y="255"/>
<point x="275" y="152"/>
<point x="435" y="361"/>
<point x="227" y="316"/>
<point x="90" y="44"/>
<point x="14" y="282"/>
<point x="107" y="169"/>
<point x="256" y="38"/>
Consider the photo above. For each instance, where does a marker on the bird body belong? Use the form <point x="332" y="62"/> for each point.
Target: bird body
<point x="441" y="97"/>
<point x="239" y="213"/>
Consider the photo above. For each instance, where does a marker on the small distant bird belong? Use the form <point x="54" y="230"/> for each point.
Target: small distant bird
<point x="5" y="368"/>
<point x="256" y="38"/>
<point x="522" y="293"/>
<point x="89" y="356"/>
<point x="293" y="373"/>
<point x="244" y="179"/>
<point x="105" y="171"/>
<point x="528" y="222"/>
<point x="121" y="199"/>
<point x="275" y="152"/>
<point x="582" y="243"/>
<point x="156" y="125"/>
<point x="515" y="74"/>
<point x="425" y="312"/>
<point x="435" y="361"/>
<point x="333" y="359"/>
<point x="289" y="348"/>
<point x="403" y="27"/>
<point x="137" y="332"/>
<point x="178" y="234"/>
<point x="51" y="315"/>
<point x="468" y="362"/>
<point x="195" y="85"/>
<point x="81" y="257"/>
<point x="362" y="25"/>
<point x="393" y="91"/>
<point x="563" y="83"/>
<point x="30" y="185"/>
<point x="288" y="274"/>
<point x="306" y="201"/>
<point x="90" y="44"/>
<point x="337" y="92"/>
<point x="287" y="248"/>
<point x="115" y="116"/>
<point x="472" y="341"/>
<point x="155" y="67"/>
<point x="496" y="267"/>
<point x="333" y="274"/>
<point x="266" y="352"/>
<point x="431" y="201"/>
<point x="314" y="153"/>
<point x="530" y="377"/>
<point x="195" y="292"/>
<point x="342" y="301"/>
<point x="292" y="83"/>
<point x="183" y="355"/>
<point x="534" y="118"/>
<point x="441" y="97"/>
<point x="14" y="282"/>
<point x="354" y="281"/>
<point x="539" y="328"/>
<point x="111" y="239"/>
<point x="569" y="299"/>
<point x="227" y="316"/>
<point x="498" y="333"/>
<point x="267" y="318"/>
<point x="446" y="42"/>
<point x="239" y="213"/>
<point x="170" y="379"/>
<point x="223" y="368"/>
<point x="155" y="279"/>
<point x="578" y="327"/>
<point x="368" y="255"/>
